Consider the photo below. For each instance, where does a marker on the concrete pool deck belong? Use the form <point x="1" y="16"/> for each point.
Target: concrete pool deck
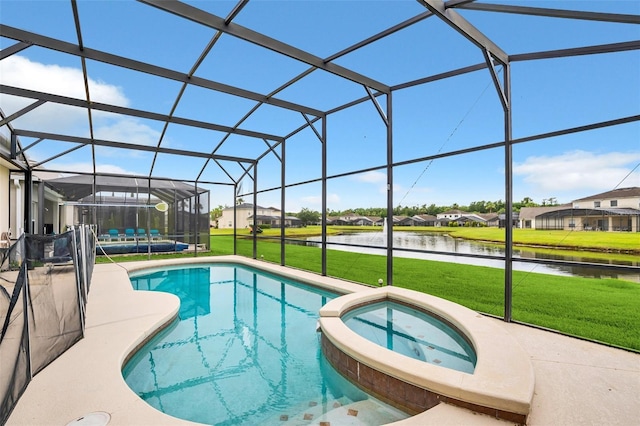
<point x="576" y="382"/>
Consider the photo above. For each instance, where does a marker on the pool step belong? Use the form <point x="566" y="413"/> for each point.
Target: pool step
<point x="367" y="412"/>
<point x="306" y="413"/>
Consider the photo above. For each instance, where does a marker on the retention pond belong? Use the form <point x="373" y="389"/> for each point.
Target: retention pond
<point x="425" y="243"/>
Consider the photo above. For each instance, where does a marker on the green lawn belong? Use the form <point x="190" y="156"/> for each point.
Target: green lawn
<point x="604" y="310"/>
<point x="608" y="241"/>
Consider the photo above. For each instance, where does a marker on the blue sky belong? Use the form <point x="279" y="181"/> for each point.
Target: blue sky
<point x="443" y="116"/>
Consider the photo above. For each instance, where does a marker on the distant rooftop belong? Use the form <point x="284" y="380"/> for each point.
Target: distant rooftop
<point x="633" y="191"/>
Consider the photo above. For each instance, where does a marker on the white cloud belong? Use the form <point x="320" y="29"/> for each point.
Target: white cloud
<point x="21" y="72"/>
<point x="129" y="131"/>
<point x="371" y="177"/>
<point x="579" y="170"/>
<point x="88" y="168"/>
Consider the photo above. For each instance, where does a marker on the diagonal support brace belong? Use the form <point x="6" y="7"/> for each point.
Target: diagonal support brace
<point x="496" y="81"/>
<point x="377" y="105"/>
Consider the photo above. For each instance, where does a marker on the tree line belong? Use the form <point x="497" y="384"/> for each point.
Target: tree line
<point x="432" y="209"/>
<point x="311" y="216"/>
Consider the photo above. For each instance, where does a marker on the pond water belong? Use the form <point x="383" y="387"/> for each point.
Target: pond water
<point x="440" y="242"/>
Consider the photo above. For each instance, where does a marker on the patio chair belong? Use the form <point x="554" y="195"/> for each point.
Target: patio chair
<point x="142" y="233"/>
<point x="155" y="234"/>
<point x="114" y="234"/>
<point x="129" y="233"/>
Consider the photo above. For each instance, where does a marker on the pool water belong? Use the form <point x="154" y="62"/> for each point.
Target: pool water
<point x="413" y="333"/>
<point x="244" y="351"/>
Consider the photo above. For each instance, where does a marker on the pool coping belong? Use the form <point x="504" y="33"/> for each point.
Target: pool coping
<point x="502" y="383"/>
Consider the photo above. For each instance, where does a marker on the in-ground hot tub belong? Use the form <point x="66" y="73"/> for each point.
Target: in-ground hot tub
<point x="501" y="383"/>
<point x="413" y="333"/>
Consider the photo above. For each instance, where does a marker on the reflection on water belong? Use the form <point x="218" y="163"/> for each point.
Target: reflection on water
<point x="445" y="243"/>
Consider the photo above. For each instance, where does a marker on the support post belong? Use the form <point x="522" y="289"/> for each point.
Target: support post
<point x="508" y="163"/>
<point x="196" y="210"/>
<point x="282" y="203"/>
<point x="255" y="210"/>
<point x="40" y="224"/>
<point x="389" y="192"/>
<point x="149" y="219"/>
<point x="235" y="218"/>
<point x="28" y="190"/>
<point x="324" y="196"/>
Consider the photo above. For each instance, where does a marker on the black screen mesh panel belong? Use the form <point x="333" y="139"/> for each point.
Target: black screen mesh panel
<point x="44" y="282"/>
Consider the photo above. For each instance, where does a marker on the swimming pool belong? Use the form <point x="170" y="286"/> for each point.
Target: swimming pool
<point x="244" y="351"/>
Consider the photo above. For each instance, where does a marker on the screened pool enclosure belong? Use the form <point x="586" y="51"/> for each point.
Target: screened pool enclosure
<point x="134" y="215"/>
<point x="320" y="105"/>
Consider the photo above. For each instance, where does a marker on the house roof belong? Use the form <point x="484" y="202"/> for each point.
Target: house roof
<point x="633" y="191"/>
<point x="274" y="217"/>
<point x="592" y="212"/>
<point x="514" y="215"/>
<point x="400" y="218"/>
<point x="77" y="187"/>
<point x="532" y="212"/>
<point x="488" y="216"/>
<point x="474" y="217"/>
<point x="244" y="206"/>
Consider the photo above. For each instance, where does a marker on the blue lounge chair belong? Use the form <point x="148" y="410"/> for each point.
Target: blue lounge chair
<point x="129" y="233"/>
<point x="141" y="232"/>
<point x="155" y="234"/>
<point x="114" y="234"/>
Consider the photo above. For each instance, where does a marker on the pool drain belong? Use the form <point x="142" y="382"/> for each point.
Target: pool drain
<point x="98" y="418"/>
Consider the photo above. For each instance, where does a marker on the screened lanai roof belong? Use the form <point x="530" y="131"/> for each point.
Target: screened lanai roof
<point x="79" y="187"/>
<point x="203" y="91"/>
<point x="577" y="212"/>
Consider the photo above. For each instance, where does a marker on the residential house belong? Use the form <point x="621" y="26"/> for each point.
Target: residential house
<point x="48" y="214"/>
<point x="451" y="214"/>
<point x="361" y="221"/>
<point x="336" y="221"/>
<point x="353" y="219"/>
<point x="460" y="218"/>
<point x="376" y="220"/>
<point x="403" y="221"/>
<point x="527" y="218"/>
<point x="491" y="219"/>
<point x="265" y="216"/>
<point x="424" y="220"/>
<point x="503" y="221"/>
<point x="616" y="210"/>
